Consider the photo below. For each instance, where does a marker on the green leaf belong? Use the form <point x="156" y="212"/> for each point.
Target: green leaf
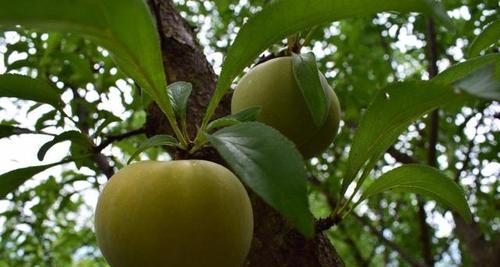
<point x="27" y="88"/>
<point x="463" y="69"/>
<point x="425" y="180"/>
<point x="222" y="5"/>
<point x="157" y="140"/>
<point x="489" y="36"/>
<point x="270" y="165"/>
<point x="475" y="76"/>
<point x="75" y="137"/>
<point x="179" y="93"/>
<point x="41" y="122"/>
<point x="124" y="27"/>
<point x="10" y="181"/>
<point x="108" y="119"/>
<point x="19" y="64"/>
<point x="249" y="114"/>
<point x="280" y="19"/>
<point x="306" y="75"/>
<point x="391" y="112"/>
<point x="481" y="83"/>
<point x="9" y="130"/>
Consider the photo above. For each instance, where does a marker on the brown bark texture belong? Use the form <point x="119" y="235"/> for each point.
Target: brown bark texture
<point x="275" y="243"/>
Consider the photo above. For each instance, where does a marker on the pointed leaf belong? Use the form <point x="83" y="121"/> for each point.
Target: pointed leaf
<point x="481" y="83"/>
<point x="10" y="181"/>
<point x="475" y="76"/>
<point x="157" y="140"/>
<point x="283" y="18"/>
<point x="27" y="88"/>
<point x="19" y="64"/>
<point x="461" y="70"/>
<point x="270" y="165"/>
<point x="249" y="114"/>
<point x="75" y="137"/>
<point x="306" y="75"/>
<point x="391" y="112"/>
<point x="489" y="36"/>
<point x="425" y="180"/>
<point x="179" y="93"/>
<point x="9" y="130"/>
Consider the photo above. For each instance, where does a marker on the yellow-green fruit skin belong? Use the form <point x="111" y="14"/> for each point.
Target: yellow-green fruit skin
<point x="272" y="86"/>
<point x="186" y="213"/>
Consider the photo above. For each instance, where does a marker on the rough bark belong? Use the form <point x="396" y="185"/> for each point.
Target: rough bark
<point x="184" y="61"/>
<point x="482" y="252"/>
<point x="275" y="243"/>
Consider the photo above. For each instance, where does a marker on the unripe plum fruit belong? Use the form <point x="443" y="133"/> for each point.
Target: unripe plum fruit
<point x="272" y="86"/>
<point x="186" y="213"/>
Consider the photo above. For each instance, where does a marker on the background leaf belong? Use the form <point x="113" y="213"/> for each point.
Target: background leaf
<point x="9" y="130"/>
<point x="282" y="18"/>
<point x="270" y="165"/>
<point x="489" y="36"/>
<point x="75" y="137"/>
<point x="134" y="43"/>
<point x="10" y="181"/>
<point x="425" y="180"/>
<point x="157" y="140"/>
<point x="306" y="75"/>
<point x="27" y="88"/>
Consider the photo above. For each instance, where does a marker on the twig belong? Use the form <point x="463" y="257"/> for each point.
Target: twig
<point x="400" y="156"/>
<point x="113" y="138"/>
<point x="405" y="255"/>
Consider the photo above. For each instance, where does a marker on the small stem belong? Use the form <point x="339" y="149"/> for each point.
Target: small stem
<point x="293" y="43"/>
<point x="309" y="35"/>
<point x="356" y="189"/>
<point x="67" y="116"/>
<point x="184" y="129"/>
<point x="198" y="146"/>
<point x="169" y="113"/>
<point x="112" y="138"/>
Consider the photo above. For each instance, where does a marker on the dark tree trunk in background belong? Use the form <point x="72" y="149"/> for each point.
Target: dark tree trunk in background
<point x="275" y="243"/>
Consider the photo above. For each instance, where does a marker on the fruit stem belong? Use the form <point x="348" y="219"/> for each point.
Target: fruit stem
<point x="309" y="36"/>
<point x="356" y="189"/>
<point x="166" y="107"/>
<point x="293" y="43"/>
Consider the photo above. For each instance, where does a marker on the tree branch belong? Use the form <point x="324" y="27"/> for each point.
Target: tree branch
<point x="405" y="255"/>
<point x="330" y="221"/>
<point x="100" y="159"/>
<point x="356" y="251"/>
<point x="432" y="69"/>
<point x="400" y="156"/>
<point x="483" y="252"/>
<point x="113" y="138"/>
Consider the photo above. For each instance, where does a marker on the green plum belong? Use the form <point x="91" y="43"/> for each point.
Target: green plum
<point x="272" y="86"/>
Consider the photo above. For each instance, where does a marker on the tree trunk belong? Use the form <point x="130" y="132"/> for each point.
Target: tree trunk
<point x="482" y="252"/>
<point x="275" y="243"/>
